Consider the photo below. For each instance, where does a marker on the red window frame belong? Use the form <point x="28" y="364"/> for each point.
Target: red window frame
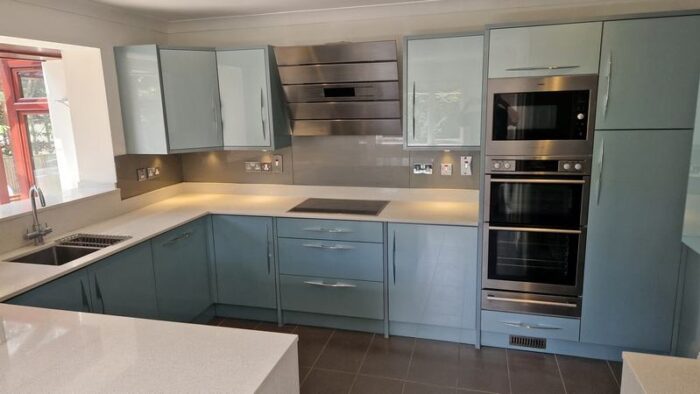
<point x="18" y="108"/>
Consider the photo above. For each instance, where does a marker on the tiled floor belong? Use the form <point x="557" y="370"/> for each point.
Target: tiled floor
<point x="336" y="361"/>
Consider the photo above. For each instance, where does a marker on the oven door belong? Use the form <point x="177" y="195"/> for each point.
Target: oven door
<point x="541" y="116"/>
<point x="535" y="260"/>
<point x="537" y="201"/>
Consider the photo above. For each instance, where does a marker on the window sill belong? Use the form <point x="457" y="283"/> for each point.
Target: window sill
<point x="19" y="208"/>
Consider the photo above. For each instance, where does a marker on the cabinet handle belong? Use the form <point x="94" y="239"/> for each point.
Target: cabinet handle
<point x="534" y="230"/>
<point x="530" y="326"/>
<point x="601" y="162"/>
<point x="608" y="77"/>
<point x="179" y="238"/>
<point x="337" y="285"/>
<point x="267" y="240"/>
<point x="99" y="294"/>
<point x="262" y="114"/>
<point x="328" y="247"/>
<point x="540" y="181"/>
<point x="534" y="68"/>
<point x="526" y="301"/>
<point x="413" y="111"/>
<point x="327" y="230"/>
<point x="83" y="294"/>
<point x="393" y="256"/>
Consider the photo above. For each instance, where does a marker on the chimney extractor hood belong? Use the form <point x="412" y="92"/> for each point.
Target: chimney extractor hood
<point x="341" y="89"/>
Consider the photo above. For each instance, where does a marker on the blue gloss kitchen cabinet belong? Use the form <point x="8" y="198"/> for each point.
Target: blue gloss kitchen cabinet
<point x="443" y="79"/>
<point x="252" y="105"/>
<point x="169" y="99"/>
<point x="244" y="260"/>
<point x="649" y="73"/>
<point x="70" y="293"/>
<point x="124" y="284"/>
<point x="544" y="50"/>
<point x="633" y="247"/>
<point x="433" y="281"/>
<point x="181" y="264"/>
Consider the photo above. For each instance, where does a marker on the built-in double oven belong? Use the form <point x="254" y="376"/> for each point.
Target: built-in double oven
<point x="537" y="183"/>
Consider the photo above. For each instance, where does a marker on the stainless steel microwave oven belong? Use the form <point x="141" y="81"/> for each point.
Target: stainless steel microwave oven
<point x="541" y="116"/>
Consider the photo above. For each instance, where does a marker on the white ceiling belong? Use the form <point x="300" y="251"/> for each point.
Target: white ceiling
<point x="173" y="10"/>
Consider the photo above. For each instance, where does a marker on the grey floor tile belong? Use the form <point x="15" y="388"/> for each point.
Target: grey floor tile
<point x="303" y="372"/>
<point x="327" y="382"/>
<point x="274" y="327"/>
<point x="435" y="362"/>
<point x="535" y="373"/>
<point x="239" y="323"/>
<point x="345" y="351"/>
<point x="311" y="343"/>
<point x="215" y="321"/>
<point x="420" y="388"/>
<point x="388" y="357"/>
<point x="616" y="368"/>
<point x="375" y="385"/>
<point x="483" y="369"/>
<point x="584" y="375"/>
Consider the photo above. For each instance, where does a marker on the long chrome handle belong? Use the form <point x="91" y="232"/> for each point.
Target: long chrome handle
<point x="83" y="294"/>
<point x="328" y="247"/>
<point x="98" y="292"/>
<point x="601" y="162"/>
<point x="536" y="180"/>
<point x="337" y="285"/>
<point x="530" y="326"/>
<point x="535" y="230"/>
<point x="267" y="242"/>
<point x="534" y="68"/>
<point x="262" y="114"/>
<point x="393" y="257"/>
<point x="413" y="111"/>
<point x="608" y="77"/>
<point x="334" y="230"/>
<point x="179" y="238"/>
<point x="537" y="302"/>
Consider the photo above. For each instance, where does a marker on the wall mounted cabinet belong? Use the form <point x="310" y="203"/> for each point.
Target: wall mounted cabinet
<point x="442" y="91"/>
<point x="649" y="73"/>
<point x="544" y="50"/>
<point x="252" y="104"/>
<point x="169" y="99"/>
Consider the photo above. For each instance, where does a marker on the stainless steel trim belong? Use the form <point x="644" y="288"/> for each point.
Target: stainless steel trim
<point x="267" y="242"/>
<point x="178" y="238"/>
<point x="338" y="73"/>
<point x="393" y="256"/>
<point x="346" y="110"/>
<point x="262" y="113"/>
<point x="540" y="180"/>
<point x="530" y="326"/>
<point x="98" y="292"/>
<point x="364" y="91"/>
<point x="533" y="68"/>
<point x="608" y="77"/>
<point x="347" y="127"/>
<point x="413" y="111"/>
<point x="600" y="171"/>
<point x="333" y="230"/>
<point x="541" y="304"/>
<point x="528" y="301"/>
<point x="535" y="230"/>
<point x="328" y="247"/>
<point x="344" y="52"/>
<point x="337" y="285"/>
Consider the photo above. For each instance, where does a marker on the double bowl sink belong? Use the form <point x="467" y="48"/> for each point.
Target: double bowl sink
<point x="68" y="249"/>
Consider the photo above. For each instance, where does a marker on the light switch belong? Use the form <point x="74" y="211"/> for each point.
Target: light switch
<point x="446" y="169"/>
<point x="266" y="167"/>
<point x="465" y="165"/>
<point x="277" y="163"/>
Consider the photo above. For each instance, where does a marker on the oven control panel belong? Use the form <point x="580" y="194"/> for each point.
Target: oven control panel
<point x="538" y="165"/>
<point x="503" y="165"/>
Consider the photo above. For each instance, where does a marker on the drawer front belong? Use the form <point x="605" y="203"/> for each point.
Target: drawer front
<point x="332" y="296"/>
<point x="341" y="230"/>
<point x="331" y="259"/>
<point x="530" y="325"/>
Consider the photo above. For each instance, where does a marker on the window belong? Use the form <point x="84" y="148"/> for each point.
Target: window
<point x="26" y="136"/>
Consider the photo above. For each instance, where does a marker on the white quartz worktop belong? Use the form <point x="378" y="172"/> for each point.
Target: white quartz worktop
<point x="652" y="374"/>
<point x="430" y="206"/>
<point x="54" y="351"/>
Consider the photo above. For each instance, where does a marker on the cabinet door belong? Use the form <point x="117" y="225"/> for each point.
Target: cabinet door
<point x="124" y="284"/>
<point x="443" y="91"/>
<point x="245" y="269"/>
<point x="432" y="275"/>
<point x="649" y="73"/>
<point x="244" y="97"/>
<point x="182" y="272"/>
<point x="634" y="231"/>
<point x="70" y="293"/>
<point x="544" y="50"/>
<point x="191" y="96"/>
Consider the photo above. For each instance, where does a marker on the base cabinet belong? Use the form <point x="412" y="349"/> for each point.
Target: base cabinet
<point x="70" y="293"/>
<point x="180" y="260"/>
<point x="432" y="280"/>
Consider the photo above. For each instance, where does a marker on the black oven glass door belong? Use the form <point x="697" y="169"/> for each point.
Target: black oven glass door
<point x="533" y="256"/>
<point x="557" y="115"/>
<point x="536" y="202"/>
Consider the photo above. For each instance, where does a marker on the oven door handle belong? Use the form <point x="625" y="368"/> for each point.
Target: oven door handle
<point x="538" y="180"/>
<point x="535" y="230"/>
<point x="537" y="302"/>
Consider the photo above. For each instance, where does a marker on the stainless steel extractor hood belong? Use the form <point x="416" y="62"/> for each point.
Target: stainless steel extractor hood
<point x="341" y="89"/>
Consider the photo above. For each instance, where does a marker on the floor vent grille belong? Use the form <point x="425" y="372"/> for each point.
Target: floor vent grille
<point x="534" y="343"/>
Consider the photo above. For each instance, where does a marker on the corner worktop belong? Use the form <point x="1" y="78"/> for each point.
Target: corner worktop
<point x="427" y="206"/>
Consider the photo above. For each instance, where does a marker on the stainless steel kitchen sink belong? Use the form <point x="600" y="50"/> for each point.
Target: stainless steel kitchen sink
<point x="68" y="249"/>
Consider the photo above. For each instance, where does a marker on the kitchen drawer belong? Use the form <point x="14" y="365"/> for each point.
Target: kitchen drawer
<point x="530" y="325"/>
<point x="332" y="296"/>
<point x="341" y="230"/>
<point x="331" y="259"/>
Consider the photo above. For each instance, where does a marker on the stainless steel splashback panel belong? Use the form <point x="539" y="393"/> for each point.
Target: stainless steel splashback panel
<point x="343" y="52"/>
<point x="347" y="127"/>
<point x="334" y="73"/>
<point x="346" y="110"/>
<point x="358" y="91"/>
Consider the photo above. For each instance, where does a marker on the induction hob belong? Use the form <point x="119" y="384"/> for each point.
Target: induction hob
<point x="331" y="205"/>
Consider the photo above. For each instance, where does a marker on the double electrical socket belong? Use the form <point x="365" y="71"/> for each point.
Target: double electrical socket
<point x="144" y="174"/>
